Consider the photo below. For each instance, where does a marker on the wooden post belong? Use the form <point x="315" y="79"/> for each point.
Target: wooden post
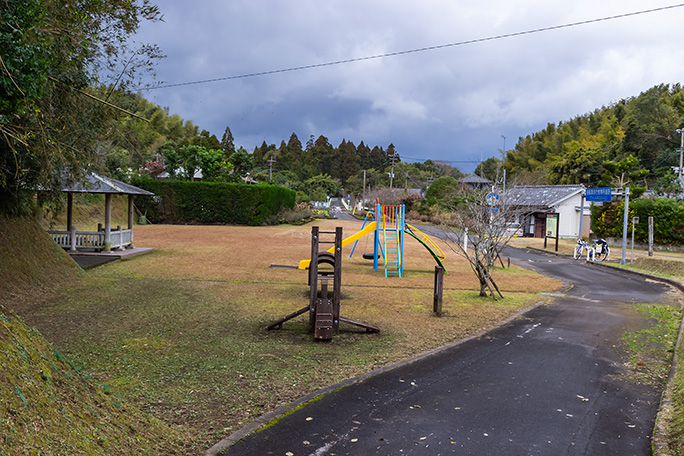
<point x="439" y="286"/>
<point x="650" y="236"/>
<point x="70" y="209"/>
<point x="337" y="279"/>
<point x="108" y="223"/>
<point x="131" y="214"/>
<point x="313" y="277"/>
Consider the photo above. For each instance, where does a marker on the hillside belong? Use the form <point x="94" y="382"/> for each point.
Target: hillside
<point x="47" y="405"/>
<point x="633" y="142"/>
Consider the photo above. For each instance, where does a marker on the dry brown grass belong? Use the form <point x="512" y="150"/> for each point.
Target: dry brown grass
<point x="181" y="331"/>
<point x="246" y="254"/>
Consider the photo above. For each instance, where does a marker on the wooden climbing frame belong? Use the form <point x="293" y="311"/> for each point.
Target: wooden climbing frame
<point x="324" y="306"/>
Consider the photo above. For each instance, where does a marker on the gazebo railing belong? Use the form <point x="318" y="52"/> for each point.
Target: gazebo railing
<point x="73" y="240"/>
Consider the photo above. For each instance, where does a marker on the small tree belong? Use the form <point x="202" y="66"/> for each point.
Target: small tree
<point x="482" y="221"/>
<point x="242" y="163"/>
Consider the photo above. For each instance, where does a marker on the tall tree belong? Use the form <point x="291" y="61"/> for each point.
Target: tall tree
<point x="52" y="52"/>
<point x="227" y="142"/>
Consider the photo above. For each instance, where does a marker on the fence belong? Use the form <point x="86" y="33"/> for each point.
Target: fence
<point x="74" y="240"/>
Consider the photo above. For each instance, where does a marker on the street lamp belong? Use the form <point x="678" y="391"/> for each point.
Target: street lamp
<point x="681" y="153"/>
<point x="504" y="163"/>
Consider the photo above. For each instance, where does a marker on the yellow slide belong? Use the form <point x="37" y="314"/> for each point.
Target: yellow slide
<point x="368" y="229"/>
<point x="427" y="240"/>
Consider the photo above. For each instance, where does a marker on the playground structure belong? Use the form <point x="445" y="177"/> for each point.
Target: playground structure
<point x="388" y="225"/>
<point x="324" y="308"/>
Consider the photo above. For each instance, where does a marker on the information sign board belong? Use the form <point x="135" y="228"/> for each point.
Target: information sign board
<point x="598" y="194"/>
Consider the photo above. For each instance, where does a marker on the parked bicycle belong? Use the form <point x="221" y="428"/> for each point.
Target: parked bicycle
<point x="580" y="248"/>
<point x="599" y="251"/>
<point x="596" y="251"/>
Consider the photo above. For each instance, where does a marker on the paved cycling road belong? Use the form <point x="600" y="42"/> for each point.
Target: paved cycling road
<point x="550" y="382"/>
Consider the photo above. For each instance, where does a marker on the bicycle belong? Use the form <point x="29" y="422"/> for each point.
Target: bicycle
<point x="596" y="251"/>
<point x="580" y="248"/>
<point x="600" y="249"/>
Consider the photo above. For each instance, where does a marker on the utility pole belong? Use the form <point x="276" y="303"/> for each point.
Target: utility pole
<point x="503" y="163"/>
<point x="393" y="159"/>
<point x="681" y="153"/>
<point x="270" y="167"/>
<point x="364" y="187"/>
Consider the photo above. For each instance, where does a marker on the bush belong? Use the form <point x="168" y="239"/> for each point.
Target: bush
<point x="300" y="214"/>
<point x="668" y="220"/>
<point x="212" y="202"/>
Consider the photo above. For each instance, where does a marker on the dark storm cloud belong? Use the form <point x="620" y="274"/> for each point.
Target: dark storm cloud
<point x="447" y="104"/>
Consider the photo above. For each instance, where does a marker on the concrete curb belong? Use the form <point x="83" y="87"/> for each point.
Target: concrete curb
<point x="284" y="410"/>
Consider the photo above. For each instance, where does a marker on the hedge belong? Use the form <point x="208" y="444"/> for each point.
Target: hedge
<point x="668" y="220"/>
<point x="212" y="202"/>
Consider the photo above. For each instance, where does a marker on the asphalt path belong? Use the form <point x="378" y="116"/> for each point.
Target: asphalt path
<point x="551" y="382"/>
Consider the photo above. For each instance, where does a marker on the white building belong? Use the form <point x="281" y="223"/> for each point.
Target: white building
<point x="536" y="201"/>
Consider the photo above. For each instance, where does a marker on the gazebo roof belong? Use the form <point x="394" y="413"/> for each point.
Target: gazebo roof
<point x="94" y="183"/>
<point x="474" y="179"/>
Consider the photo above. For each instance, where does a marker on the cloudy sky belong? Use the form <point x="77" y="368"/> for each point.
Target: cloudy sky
<point x="451" y="103"/>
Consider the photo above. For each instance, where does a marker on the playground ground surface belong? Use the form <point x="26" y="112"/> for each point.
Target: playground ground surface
<point x="180" y="331"/>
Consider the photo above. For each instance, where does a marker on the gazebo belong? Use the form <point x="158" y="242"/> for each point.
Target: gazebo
<point x="104" y="239"/>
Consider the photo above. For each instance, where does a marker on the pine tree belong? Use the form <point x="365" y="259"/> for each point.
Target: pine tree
<point x="227" y="142"/>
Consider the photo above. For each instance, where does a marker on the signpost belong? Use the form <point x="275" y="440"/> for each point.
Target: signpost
<point x="552" y="228"/>
<point x="606" y="194"/>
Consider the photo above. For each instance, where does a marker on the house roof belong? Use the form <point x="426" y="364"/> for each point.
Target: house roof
<point x="94" y="183"/>
<point x="475" y="179"/>
<point x="546" y="196"/>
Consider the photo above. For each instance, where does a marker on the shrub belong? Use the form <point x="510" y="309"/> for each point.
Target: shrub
<point x="668" y="220"/>
<point x="212" y="202"/>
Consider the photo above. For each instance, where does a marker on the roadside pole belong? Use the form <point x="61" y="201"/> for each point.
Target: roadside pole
<point x="650" y="235"/>
<point x="624" y="227"/>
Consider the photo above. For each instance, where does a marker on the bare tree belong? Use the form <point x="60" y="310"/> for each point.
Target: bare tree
<point x="485" y="222"/>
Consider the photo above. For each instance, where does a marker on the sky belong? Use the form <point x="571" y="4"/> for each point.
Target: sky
<point x="460" y="103"/>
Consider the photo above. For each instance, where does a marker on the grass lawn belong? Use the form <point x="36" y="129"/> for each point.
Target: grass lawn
<point x="180" y="331"/>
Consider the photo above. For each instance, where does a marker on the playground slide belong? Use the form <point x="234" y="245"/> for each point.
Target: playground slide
<point x="368" y="229"/>
<point x="427" y="239"/>
<point x="432" y="252"/>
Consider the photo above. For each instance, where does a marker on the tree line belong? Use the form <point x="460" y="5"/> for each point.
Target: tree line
<point x="631" y="143"/>
<point x="315" y="169"/>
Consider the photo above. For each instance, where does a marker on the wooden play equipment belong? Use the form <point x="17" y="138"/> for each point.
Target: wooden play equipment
<point x="324" y="308"/>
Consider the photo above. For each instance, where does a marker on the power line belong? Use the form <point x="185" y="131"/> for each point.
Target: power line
<point x="414" y="51"/>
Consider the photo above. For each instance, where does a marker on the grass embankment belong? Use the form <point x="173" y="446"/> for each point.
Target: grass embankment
<point x="672" y="421"/>
<point x="181" y="332"/>
<point x="47" y="405"/>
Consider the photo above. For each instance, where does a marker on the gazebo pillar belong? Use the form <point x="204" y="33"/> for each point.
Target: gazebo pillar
<point x="130" y="212"/>
<point x="108" y="223"/>
<point x="130" y="216"/>
<point x="70" y="209"/>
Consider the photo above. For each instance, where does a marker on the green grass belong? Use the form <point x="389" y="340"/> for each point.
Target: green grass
<point x="650" y="349"/>
<point x="49" y="406"/>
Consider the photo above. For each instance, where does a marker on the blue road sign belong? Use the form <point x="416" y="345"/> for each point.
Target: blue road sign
<point x="598" y="194"/>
